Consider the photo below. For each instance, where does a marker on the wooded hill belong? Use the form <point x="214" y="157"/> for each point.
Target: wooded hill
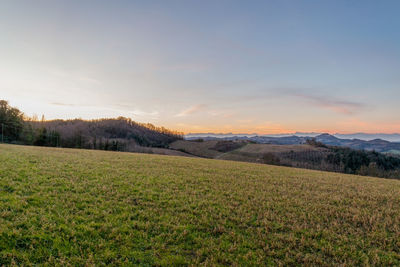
<point x="121" y="134"/>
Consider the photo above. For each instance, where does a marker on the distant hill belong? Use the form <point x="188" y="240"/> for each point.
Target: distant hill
<point x="369" y="137"/>
<point x="362" y="136"/>
<point x="378" y="145"/>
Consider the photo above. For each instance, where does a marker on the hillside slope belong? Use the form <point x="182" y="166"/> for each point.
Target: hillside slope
<point x="85" y="207"/>
<point x="313" y="155"/>
<point x="244" y="151"/>
<point x="374" y="144"/>
<point x="120" y="134"/>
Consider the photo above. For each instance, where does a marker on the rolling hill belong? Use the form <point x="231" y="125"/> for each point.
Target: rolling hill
<point x="63" y="207"/>
<point x="243" y="151"/>
<point x="312" y="155"/>
<point x="378" y="145"/>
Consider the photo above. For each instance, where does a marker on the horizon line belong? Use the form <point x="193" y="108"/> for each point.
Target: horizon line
<point x="293" y="133"/>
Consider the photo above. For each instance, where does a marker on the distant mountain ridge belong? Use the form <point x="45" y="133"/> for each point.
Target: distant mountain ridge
<point x="395" y="137"/>
<point x="368" y="137"/>
<point x="378" y="145"/>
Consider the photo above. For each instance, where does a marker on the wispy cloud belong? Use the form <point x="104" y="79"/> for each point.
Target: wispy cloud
<point x="133" y="110"/>
<point x="122" y="109"/>
<point x="191" y="110"/>
<point x="62" y="104"/>
<point x="74" y="76"/>
<point x="221" y="113"/>
<point x="138" y="112"/>
<point x="337" y="105"/>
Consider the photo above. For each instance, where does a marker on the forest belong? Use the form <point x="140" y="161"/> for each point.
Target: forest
<point x="340" y="159"/>
<point x="120" y="134"/>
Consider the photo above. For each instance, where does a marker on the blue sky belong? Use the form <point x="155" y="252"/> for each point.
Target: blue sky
<point x="201" y="66"/>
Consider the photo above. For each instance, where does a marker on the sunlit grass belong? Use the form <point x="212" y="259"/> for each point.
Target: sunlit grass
<point x="80" y="207"/>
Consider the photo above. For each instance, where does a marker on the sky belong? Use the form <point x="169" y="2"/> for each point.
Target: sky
<point x="263" y="67"/>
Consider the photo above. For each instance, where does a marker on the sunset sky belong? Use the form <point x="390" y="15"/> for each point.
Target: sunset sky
<point x="206" y="66"/>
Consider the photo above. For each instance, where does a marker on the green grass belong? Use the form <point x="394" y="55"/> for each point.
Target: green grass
<point x="246" y="153"/>
<point x="200" y="149"/>
<point x="61" y="207"/>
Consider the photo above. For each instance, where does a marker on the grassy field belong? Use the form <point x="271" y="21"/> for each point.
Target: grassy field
<point x="201" y="149"/>
<point x="78" y="207"/>
<point x="254" y="152"/>
<point x="246" y="153"/>
<point x="159" y="151"/>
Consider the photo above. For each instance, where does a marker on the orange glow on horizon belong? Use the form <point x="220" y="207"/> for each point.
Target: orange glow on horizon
<point x="349" y="127"/>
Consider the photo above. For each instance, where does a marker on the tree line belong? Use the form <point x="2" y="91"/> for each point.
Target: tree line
<point x="120" y="134"/>
<point x="338" y="159"/>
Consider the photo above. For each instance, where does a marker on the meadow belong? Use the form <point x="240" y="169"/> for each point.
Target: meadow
<point x="69" y="207"/>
